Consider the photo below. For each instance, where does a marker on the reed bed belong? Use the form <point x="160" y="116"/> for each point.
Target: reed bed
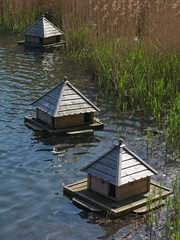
<point x="130" y="46"/>
<point x="154" y="21"/>
<point x="164" y="222"/>
<point x="16" y="15"/>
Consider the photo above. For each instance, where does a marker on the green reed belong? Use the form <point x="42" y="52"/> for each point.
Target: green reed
<point x="173" y="213"/>
<point x="16" y="17"/>
<point x="169" y="228"/>
<point x="16" y="20"/>
<point x="149" y="143"/>
<point x="139" y="77"/>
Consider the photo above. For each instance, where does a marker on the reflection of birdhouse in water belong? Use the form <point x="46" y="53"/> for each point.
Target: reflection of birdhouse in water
<point x="117" y="182"/>
<point x="42" y="34"/>
<point x="65" y="109"/>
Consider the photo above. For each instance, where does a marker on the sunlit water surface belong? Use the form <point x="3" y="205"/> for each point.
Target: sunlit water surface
<point x="32" y="205"/>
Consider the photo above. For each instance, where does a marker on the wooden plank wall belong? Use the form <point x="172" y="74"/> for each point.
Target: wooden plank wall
<point x="43" y="116"/>
<point x="32" y="39"/>
<point x="68" y="121"/>
<point x="132" y="189"/>
<point x="50" y="40"/>
<point x="99" y="186"/>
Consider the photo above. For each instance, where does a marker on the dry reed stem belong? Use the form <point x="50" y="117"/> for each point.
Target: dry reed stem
<point x="156" y="21"/>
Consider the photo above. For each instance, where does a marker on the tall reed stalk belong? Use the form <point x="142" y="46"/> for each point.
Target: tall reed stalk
<point x="141" y="77"/>
<point x="164" y="223"/>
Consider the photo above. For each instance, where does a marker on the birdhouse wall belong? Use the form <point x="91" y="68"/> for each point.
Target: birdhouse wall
<point x="49" y="40"/>
<point x="132" y="189"/>
<point x="45" y="117"/>
<point x="98" y="185"/>
<point x="69" y="121"/>
<point x="32" y="39"/>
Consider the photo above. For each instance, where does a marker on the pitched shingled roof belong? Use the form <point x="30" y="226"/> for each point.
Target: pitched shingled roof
<point x="43" y="28"/>
<point x="119" y="166"/>
<point x="64" y="100"/>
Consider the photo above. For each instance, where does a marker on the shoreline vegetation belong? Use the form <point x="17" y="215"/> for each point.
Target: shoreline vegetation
<point x="131" y="47"/>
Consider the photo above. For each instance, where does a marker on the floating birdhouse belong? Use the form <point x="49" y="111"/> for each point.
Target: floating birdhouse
<point x="118" y="181"/>
<point x="119" y="174"/>
<point x="64" y="110"/>
<point x="42" y="34"/>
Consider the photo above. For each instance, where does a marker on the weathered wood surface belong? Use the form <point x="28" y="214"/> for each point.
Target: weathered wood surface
<point x="150" y="207"/>
<point x="131" y="168"/>
<point x="35" y="127"/>
<point x="86" y="205"/>
<point x="32" y="45"/>
<point x="36" y="123"/>
<point x="131" y="189"/>
<point x="64" y="100"/>
<point x="80" y="191"/>
<point x="43" y="28"/>
<point x="80" y="132"/>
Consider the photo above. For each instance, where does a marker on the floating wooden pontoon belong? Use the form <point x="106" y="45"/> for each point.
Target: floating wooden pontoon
<point x="93" y="201"/>
<point x="118" y="182"/>
<point x="42" y="34"/>
<point x="64" y="110"/>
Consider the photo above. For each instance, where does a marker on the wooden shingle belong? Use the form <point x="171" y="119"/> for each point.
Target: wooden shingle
<point x="64" y="100"/>
<point x="43" y="28"/>
<point x="132" y="167"/>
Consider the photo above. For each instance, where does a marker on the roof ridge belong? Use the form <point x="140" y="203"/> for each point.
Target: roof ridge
<point x="53" y="25"/>
<point x="59" y="99"/>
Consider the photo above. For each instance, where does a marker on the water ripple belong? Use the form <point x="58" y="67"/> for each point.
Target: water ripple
<point x="33" y="166"/>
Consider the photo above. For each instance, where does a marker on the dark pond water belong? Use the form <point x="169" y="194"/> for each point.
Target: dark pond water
<point x="32" y="205"/>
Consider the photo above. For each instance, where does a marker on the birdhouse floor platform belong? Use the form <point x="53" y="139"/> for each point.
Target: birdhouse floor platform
<point x="90" y="200"/>
<point x="38" y="125"/>
<point x="41" y="46"/>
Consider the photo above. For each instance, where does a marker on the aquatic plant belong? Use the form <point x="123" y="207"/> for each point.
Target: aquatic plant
<point x="173" y="213"/>
<point x="141" y="78"/>
<point x="18" y="15"/>
<point x="168" y="228"/>
<point x="138" y="20"/>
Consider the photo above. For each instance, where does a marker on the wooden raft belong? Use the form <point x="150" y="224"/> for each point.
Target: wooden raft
<point x="80" y="193"/>
<point x="41" y="46"/>
<point x="38" y="125"/>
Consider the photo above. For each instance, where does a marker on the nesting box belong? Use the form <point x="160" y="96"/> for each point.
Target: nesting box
<point x="63" y="109"/>
<point x="117" y="182"/>
<point x="42" y="34"/>
<point x="119" y="174"/>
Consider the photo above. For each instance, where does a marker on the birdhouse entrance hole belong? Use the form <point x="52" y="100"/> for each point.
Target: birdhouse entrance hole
<point x="41" y="40"/>
<point x="87" y="117"/>
<point x="112" y="190"/>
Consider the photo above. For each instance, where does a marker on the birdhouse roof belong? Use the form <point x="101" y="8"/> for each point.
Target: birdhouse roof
<point x="64" y="100"/>
<point x="119" y="166"/>
<point x="43" y="28"/>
